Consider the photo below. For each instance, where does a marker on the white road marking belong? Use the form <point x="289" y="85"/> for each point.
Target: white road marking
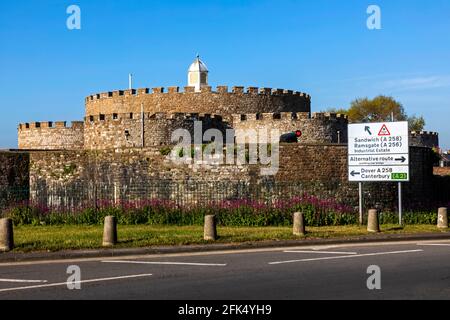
<point x="23" y="281"/>
<point x="215" y="253"/>
<point x="75" y="282"/>
<point x="168" y="263"/>
<point x="344" y="257"/>
<point x="320" y="252"/>
<point x="434" y="244"/>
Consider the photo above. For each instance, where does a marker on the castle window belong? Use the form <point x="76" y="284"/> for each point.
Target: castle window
<point x="27" y="125"/>
<point x="131" y="115"/>
<point x="203" y="78"/>
<point x="38" y="124"/>
<point x="277" y="116"/>
<point x="127" y="134"/>
<point x="243" y="117"/>
<point x="115" y="116"/>
<point x="102" y="117"/>
<point x="91" y="118"/>
<point x="259" y="116"/>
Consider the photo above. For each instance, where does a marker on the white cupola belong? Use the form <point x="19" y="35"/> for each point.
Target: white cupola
<point x="198" y="74"/>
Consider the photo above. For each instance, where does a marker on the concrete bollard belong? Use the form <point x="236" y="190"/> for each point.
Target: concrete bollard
<point x="6" y="235"/>
<point x="373" y="224"/>
<point x="210" y="232"/>
<point x="442" y="218"/>
<point x="110" y="231"/>
<point x="299" y="224"/>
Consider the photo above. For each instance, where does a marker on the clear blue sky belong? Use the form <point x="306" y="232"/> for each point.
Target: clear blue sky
<point x="322" y="47"/>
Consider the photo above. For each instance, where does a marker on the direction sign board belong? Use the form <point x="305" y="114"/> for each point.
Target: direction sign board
<point x="378" y="152"/>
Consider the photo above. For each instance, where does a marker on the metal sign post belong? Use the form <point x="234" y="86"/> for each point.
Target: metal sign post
<point x="400" y="209"/>
<point x="361" y="213"/>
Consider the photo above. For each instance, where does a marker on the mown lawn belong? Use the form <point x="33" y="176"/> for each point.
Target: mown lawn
<point x="55" y="238"/>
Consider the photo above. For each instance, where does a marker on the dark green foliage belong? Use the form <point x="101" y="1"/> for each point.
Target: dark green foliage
<point x="243" y="215"/>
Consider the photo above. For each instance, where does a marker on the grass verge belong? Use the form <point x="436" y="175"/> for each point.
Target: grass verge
<point x="56" y="238"/>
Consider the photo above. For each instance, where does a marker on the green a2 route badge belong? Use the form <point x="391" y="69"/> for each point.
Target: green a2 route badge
<point x="399" y="176"/>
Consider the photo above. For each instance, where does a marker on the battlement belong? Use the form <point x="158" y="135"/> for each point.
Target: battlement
<point x="329" y="116"/>
<point x="49" y="135"/>
<point x="131" y="130"/>
<point x="315" y="128"/>
<point x="153" y="116"/>
<point x="289" y="116"/>
<point x="191" y="90"/>
<point x="51" y="125"/>
<point x="424" y="133"/>
<point x="424" y="139"/>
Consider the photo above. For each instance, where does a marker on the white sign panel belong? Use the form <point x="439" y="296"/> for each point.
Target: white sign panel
<point x="378" y="152"/>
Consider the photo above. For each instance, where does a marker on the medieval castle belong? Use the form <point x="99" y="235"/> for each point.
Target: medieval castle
<point x="118" y="146"/>
<point x="145" y="118"/>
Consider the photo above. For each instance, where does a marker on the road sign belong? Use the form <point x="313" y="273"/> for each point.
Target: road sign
<point x="378" y="152"/>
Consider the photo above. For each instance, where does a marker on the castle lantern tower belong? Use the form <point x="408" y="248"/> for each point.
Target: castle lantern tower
<point x="198" y="74"/>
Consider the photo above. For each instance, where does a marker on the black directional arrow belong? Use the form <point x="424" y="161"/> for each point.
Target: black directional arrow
<point x="402" y="159"/>
<point x="354" y="173"/>
<point x="367" y="129"/>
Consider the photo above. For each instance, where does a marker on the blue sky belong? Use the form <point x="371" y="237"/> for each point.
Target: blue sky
<point x="321" y="47"/>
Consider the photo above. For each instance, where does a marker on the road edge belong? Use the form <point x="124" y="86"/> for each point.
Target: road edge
<point x="158" y="250"/>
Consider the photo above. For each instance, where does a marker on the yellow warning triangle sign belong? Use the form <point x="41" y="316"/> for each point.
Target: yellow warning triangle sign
<point x="384" y="131"/>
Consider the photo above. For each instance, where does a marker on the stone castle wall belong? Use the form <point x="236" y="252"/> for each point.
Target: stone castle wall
<point x="424" y="139"/>
<point x="319" y="128"/>
<point x="221" y="102"/>
<point x="51" y="136"/>
<point x="125" y="130"/>
<point x="74" y="176"/>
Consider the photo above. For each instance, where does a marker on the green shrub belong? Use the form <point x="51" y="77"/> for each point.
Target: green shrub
<point x="232" y="213"/>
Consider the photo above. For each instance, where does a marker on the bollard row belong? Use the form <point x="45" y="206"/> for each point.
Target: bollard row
<point x="210" y="228"/>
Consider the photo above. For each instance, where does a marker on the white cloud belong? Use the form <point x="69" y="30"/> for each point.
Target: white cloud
<point x="417" y="83"/>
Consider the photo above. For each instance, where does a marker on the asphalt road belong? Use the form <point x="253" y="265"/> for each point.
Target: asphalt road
<point x="408" y="271"/>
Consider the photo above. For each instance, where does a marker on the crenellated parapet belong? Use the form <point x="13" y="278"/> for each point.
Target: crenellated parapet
<point x="49" y="135"/>
<point x="288" y="116"/>
<point x="135" y="130"/>
<point x="187" y="90"/>
<point x="223" y="100"/>
<point x="315" y="128"/>
<point x="424" y="139"/>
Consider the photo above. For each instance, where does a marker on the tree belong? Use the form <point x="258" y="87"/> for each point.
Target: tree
<point x="337" y="110"/>
<point x="379" y="109"/>
<point x="416" y="123"/>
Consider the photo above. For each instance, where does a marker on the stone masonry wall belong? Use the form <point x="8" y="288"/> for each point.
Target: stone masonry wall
<point x="320" y="128"/>
<point x="124" y="130"/>
<point x="74" y="176"/>
<point x="328" y="165"/>
<point x="221" y="102"/>
<point x="49" y="136"/>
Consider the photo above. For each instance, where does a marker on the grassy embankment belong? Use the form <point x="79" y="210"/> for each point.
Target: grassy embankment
<point x="69" y="237"/>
